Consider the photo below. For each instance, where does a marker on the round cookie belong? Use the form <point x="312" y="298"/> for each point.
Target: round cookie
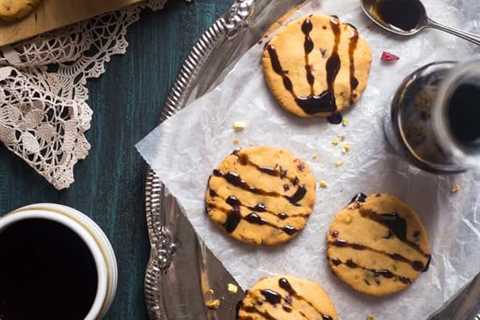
<point x="261" y="195"/>
<point x="11" y="10"/>
<point x="317" y="66"/>
<point x="286" y="298"/>
<point x="378" y="245"/>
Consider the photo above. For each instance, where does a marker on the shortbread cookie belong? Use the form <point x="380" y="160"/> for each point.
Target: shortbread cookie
<point x="378" y="245"/>
<point x="16" y="9"/>
<point x="261" y="195"/>
<point x="286" y="298"/>
<point x="317" y="66"/>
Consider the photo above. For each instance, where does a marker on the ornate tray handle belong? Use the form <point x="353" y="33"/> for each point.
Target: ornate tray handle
<point x="237" y="18"/>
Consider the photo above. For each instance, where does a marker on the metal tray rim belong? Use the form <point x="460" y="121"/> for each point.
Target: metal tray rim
<point x="162" y="243"/>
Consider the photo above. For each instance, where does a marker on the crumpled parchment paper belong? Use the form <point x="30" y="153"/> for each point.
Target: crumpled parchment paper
<point x="185" y="149"/>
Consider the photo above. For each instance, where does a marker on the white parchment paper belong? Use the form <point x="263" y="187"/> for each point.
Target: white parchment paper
<point x="186" y="148"/>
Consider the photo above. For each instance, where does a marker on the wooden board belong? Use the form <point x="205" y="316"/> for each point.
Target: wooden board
<point x="53" y="14"/>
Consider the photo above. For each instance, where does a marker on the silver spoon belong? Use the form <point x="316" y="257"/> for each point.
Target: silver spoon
<point x="410" y="8"/>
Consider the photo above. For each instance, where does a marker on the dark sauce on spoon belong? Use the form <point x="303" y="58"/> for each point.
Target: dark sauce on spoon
<point x="401" y="14"/>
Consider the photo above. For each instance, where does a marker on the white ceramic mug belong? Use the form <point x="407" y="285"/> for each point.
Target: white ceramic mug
<point x="94" y="238"/>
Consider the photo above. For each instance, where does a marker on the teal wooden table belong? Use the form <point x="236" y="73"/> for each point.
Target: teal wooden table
<point x="127" y="101"/>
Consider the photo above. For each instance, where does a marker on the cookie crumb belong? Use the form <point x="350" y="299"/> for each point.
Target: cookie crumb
<point x="315" y="157"/>
<point x="210" y="291"/>
<point x="323" y="184"/>
<point x="339" y="163"/>
<point x="239" y="126"/>
<point x="213" y="304"/>
<point x="455" y="188"/>
<point x="345" y="122"/>
<point x="370" y="317"/>
<point x="345" y="148"/>
<point x="232" y="288"/>
<point x="335" y="142"/>
<point x="236" y="142"/>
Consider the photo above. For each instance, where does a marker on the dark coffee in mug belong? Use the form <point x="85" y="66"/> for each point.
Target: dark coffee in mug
<point x="464" y="115"/>
<point x="46" y="272"/>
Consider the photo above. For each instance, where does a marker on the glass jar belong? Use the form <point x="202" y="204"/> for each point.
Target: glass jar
<point x="422" y="120"/>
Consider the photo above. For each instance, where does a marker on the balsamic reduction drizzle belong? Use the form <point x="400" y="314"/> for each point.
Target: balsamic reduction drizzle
<point x="415" y="264"/>
<point x="351" y="53"/>
<point x="233" y="202"/>
<point x="359" y="197"/>
<point x="254" y="218"/>
<point x="384" y="273"/>
<point x="277" y="171"/>
<point x="308" y="46"/>
<point x="298" y="195"/>
<point x="396" y="224"/>
<point x="283" y="215"/>
<point x="325" y="101"/>
<point x="271" y="296"/>
<point x="234" y="217"/>
<point x="234" y="179"/>
<point x="274" y="298"/>
<point x="290" y="230"/>
<point x="335" y="118"/>
<point x="285" y="285"/>
<point x="260" y="207"/>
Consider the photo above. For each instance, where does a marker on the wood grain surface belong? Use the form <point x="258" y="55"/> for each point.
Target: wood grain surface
<point x="127" y="101"/>
<point x="53" y="14"/>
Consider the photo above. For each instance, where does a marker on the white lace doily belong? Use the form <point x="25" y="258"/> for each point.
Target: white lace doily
<point x="43" y="93"/>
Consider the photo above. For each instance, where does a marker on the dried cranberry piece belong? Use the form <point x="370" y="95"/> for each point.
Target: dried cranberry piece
<point x="389" y="57"/>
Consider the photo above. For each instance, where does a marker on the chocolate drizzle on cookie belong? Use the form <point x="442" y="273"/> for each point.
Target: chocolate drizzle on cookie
<point x="376" y="273"/>
<point x="398" y="258"/>
<point x="395" y="224"/>
<point x="234" y="217"/>
<point x="277" y="207"/>
<point x="308" y="46"/>
<point x="271" y="296"/>
<point x="276" y="171"/>
<point x="234" y="179"/>
<point x="324" y="102"/>
<point x="415" y="264"/>
<point x="285" y="285"/>
<point x="275" y="298"/>
<point x="359" y="197"/>
<point x="234" y="203"/>
<point x="351" y="53"/>
<point x="292" y="293"/>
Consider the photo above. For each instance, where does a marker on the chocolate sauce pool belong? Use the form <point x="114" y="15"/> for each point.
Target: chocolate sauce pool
<point x="402" y="14"/>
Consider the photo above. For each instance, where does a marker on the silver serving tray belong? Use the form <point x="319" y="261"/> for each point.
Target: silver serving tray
<point x="181" y="269"/>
